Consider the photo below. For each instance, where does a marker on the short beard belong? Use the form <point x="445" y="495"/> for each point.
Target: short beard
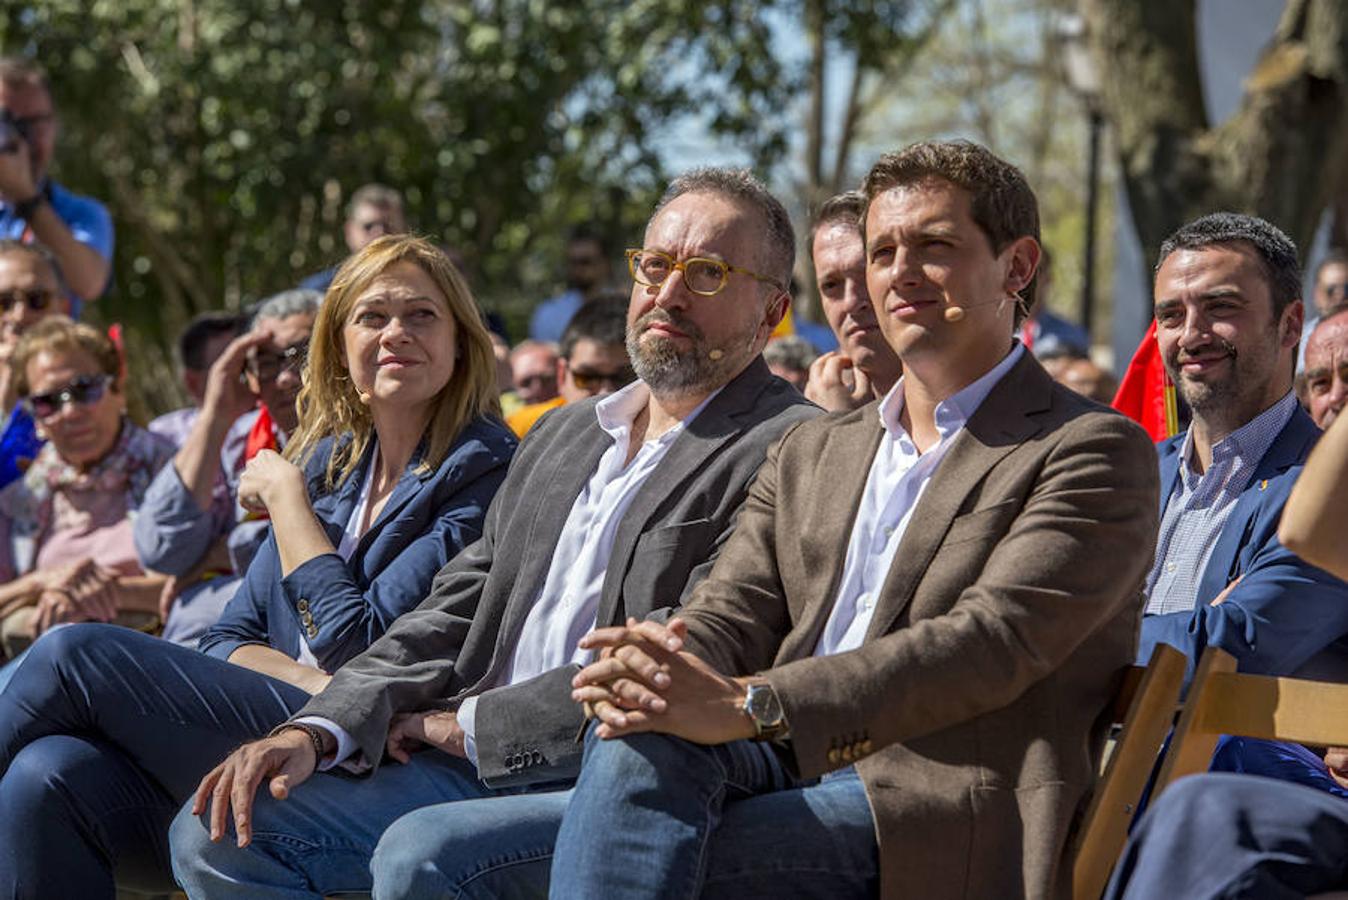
<point x="1209" y="400"/>
<point x="667" y="370"/>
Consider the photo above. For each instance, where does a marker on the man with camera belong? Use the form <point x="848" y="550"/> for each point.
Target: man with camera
<point x="33" y="207"/>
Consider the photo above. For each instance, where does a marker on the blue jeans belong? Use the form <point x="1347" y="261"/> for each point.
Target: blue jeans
<point x="320" y="840"/>
<point x="657" y="816"/>
<point x="1228" y="836"/>
<point x="104" y="732"/>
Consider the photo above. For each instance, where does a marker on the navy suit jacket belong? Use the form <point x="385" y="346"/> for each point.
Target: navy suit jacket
<point x="1286" y="616"/>
<point x="428" y="519"/>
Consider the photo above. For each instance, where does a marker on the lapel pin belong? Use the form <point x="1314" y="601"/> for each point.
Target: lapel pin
<point x="1263" y="485"/>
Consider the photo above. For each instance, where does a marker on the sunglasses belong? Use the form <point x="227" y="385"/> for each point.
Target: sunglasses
<point x="82" y="391"/>
<point x="35" y="300"/>
<point x="589" y="380"/>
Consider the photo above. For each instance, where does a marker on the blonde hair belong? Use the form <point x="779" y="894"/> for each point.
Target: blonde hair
<point x="58" y="334"/>
<point x="329" y="404"/>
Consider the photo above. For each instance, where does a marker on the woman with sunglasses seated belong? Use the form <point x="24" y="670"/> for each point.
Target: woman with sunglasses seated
<point x="30" y="290"/>
<point x="105" y="732"/>
<point x="66" y="551"/>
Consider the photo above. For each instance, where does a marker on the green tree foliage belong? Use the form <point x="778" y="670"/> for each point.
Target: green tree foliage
<point x="225" y="135"/>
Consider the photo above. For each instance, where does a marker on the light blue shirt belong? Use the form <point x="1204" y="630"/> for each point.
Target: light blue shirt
<point x="1199" y="505"/>
<point x="899" y="474"/>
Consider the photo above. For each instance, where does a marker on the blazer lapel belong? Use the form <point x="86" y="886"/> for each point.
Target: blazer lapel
<point x="571" y="462"/>
<point x="1003" y="422"/>
<point x="1168" y="452"/>
<point x="847" y="456"/>
<point x="1288" y="449"/>
<point x="713" y="427"/>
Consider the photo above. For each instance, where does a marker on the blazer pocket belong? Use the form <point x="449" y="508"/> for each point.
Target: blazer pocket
<point x="661" y="562"/>
<point x="988" y="522"/>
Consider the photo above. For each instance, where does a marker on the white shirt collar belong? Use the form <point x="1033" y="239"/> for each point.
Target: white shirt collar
<point x="953" y="412"/>
<point x="618" y="411"/>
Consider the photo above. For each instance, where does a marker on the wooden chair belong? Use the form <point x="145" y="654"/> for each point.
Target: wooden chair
<point x="1145" y="707"/>
<point x="1222" y="701"/>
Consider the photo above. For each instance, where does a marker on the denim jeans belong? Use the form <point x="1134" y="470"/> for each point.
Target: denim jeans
<point x="656" y="816"/>
<point x="104" y="732"/>
<point x="321" y="840"/>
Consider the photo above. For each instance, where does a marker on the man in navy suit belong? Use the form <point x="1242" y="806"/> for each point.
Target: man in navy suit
<point x="1228" y="317"/>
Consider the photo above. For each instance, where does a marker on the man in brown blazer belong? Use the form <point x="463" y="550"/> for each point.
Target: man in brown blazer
<point x="891" y="680"/>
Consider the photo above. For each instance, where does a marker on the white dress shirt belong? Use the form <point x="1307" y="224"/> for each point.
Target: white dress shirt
<point x="898" y="476"/>
<point x="566" y="607"/>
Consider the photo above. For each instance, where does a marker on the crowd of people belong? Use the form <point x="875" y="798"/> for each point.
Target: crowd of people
<point x="667" y="599"/>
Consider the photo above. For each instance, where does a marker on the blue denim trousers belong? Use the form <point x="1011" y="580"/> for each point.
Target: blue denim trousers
<point x="654" y="816"/>
<point x="104" y="732"/>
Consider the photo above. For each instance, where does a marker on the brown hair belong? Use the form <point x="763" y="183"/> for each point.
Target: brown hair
<point x="847" y="208"/>
<point x="58" y="334"/>
<point x="1000" y="199"/>
<point x="329" y="404"/>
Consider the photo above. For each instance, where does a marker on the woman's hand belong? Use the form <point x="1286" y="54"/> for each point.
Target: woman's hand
<point x="269" y="479"/>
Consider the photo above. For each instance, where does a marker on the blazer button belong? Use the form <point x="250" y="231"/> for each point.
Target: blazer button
<point x="847" y="753"/>
<point x="507" y="763"/>
<point x="303" y="605"/>
<point x="866" y="747"/>
<point x="833" y="757"/>
<point x="538" y="757"/>
<point x="313" y="630"/>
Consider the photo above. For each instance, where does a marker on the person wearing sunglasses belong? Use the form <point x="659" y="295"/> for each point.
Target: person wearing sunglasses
<point x="33" y="206"/>
<point x="398" y="453"/>
<point x="66" y="553"/>
<point x="592" y="360"/>
<point x="190" y="526"/>
<point x="30" y="290"/>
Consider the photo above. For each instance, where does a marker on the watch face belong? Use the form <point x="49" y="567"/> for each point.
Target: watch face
<point x="763" y="705"/>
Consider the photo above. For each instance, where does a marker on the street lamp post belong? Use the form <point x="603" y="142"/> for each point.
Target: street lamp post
<point x="1084" y="80"/>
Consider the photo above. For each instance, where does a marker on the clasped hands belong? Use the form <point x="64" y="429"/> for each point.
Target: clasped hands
<point x="645" y="681"/>
<point x="81" y="591"/>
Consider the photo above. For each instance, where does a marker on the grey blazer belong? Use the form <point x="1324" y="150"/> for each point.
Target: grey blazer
<point x="460" y="637"/>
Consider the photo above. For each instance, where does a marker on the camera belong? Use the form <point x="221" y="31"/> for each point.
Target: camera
<point x="12" y="131"/>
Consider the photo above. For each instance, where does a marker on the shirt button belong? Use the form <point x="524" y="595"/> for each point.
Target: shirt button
<point x="1170" y="567"/>
<point x="867" y="601"/>
<point x="889" y="531"/>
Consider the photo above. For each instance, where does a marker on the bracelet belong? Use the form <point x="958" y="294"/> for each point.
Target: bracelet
<point x="315" y="737"/>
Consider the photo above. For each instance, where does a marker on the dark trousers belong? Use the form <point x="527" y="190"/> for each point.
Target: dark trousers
<point x="1236" y="836"/>
<point x="104" y="733"/>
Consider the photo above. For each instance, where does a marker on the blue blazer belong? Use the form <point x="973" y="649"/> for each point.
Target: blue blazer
<point x="427" y="520"/>
<point x="1286" y="616"/>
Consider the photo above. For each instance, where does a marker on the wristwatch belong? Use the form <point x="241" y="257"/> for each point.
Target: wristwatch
<point x="763" y="707"/>
<point x="24" y="209"/>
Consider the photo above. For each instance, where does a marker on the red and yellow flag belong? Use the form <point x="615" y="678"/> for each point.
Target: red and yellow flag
<point x="1146" y="394"/>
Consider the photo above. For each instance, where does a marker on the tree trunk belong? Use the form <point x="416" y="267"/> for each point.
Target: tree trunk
<point x="1280" y="156"/>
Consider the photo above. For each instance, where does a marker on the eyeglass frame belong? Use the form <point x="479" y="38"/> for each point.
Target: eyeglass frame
<point x="67" y="395"/>
<point x="675" y="265"/>
<point x="291" y="359"/>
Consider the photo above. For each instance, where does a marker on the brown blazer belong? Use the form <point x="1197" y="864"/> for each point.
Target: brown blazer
<point x="972" y="708"/>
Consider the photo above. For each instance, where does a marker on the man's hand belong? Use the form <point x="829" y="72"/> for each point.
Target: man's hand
<point x="287" y="759"/>
<point x="16" y="174"/>
<point x="437" y="728"/>
<point x="836" y="384"/>
<point x="1336" y="760"/>
<point x="643" y="682"/>
<point x="227" y="395"/>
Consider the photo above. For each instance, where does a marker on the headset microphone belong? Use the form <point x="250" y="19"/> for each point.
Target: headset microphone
<point x="714" y="355"/>
<point x="363" y="396"/>
<point x="954" y="314"/>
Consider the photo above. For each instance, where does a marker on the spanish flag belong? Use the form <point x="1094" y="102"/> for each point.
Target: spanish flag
<point x="1146" y="394"/>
